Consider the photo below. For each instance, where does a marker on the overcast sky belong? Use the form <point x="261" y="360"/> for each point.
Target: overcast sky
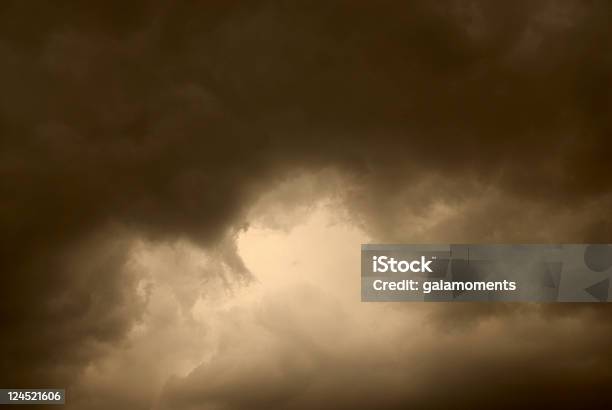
<point x="184" y="188"/>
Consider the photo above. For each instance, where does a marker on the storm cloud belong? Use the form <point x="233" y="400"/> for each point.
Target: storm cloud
<point x="444" y="121"/>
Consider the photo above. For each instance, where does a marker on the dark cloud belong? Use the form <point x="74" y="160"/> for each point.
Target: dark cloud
<point x="167" y="121"/>
<point x="509" y="358"/>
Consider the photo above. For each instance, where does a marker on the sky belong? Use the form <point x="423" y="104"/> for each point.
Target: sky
<point x="185" y="188"/>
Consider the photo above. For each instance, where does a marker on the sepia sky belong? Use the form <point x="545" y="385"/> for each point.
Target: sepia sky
<point x="184" y="189"/>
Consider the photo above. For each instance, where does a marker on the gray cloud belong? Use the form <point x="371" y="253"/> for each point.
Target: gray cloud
<point x="169" y="121"/>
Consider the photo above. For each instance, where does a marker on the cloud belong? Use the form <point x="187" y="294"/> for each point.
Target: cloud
<point x="303" y="340"/>
<point x="165" y="123"/>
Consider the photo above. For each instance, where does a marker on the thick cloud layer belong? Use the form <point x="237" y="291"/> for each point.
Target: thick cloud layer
<point x="470" y="120"/>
